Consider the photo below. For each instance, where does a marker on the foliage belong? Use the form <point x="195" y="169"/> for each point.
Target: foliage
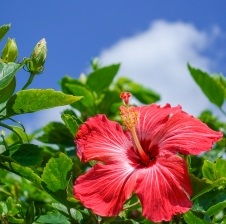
<point x="37" y="170"/>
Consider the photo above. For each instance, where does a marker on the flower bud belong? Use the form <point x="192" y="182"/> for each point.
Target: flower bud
<point x="38" y="57"/>
<point x="10" y="51"/>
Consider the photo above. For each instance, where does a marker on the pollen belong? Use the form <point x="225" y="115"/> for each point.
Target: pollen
<point x="129" y="116"/>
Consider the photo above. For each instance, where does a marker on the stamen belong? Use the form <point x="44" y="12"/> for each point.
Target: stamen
<point x="130" y="118"/>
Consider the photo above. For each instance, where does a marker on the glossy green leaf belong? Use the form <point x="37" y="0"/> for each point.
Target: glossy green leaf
<point x="31" y="100"/>
<point x="191" y="218"/>
<point x="55" y="174"/>
<point x="56" y="133"/>
<point x="3" y="30"/>
<point x="28" y="155"/>
<point x="8" y="91"/>
<point x="209" y="85"/>
<point x="8" y="72"/>
<point x="101" y="79"/>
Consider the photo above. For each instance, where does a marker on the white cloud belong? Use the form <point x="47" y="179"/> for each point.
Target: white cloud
<point x="158" y="59"/>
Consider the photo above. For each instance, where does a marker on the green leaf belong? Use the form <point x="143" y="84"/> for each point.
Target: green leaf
<point x="143" y="94"/>
<point x="102" y="78"/>
<point x="199" y="186"/>
<point x="28" y="155"/>
<point x="3" y="30"/>
<point x="56" y="133"/>
<point x="75" y="214"/>
<point x="87" y="100"/>
<point x="55" y="174"/>
<point x="215" y="209"/>
<point x="7" y="73"/>
<point x="209" y="85"/>
<point x="214" y="171"/>
<point x="191" y="218"/>
<point x="8" y="91"/>
<point x="31" y="100"/>
<point x="70" y="122"/>
<point x="209" y="170"/>
<point x="8" y="164"/>
<point x="53" y="218"/>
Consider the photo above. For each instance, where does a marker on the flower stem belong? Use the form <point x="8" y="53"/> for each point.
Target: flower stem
<point x="29" y="81"/>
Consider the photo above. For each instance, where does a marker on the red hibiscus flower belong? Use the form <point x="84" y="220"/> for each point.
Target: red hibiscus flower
<point x="141" y="158"/>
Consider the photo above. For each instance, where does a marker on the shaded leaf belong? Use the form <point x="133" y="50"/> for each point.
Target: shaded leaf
<point x="199" y="186"/>
<point x="31" y="100"/>
<point x="28" y="155"/>
<point x="56" y="133"/>
<point x="209" y="85"/>
<point x="8" y="164"/>
<point x="8" y="91"/>
<point x="55" y="174"/>
<point x="101" y="79"/>
<point x="7" y="73"/>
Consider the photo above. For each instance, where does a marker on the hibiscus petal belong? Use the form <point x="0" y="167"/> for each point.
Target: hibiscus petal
<point x="104" y="188"/>
<point x="185" y="134"/>
<point x="164" y="189"/>
<point x="103" y="140"/>
<point x="151" y="119"/>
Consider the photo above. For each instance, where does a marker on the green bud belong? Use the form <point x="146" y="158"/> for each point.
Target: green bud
<point x="38" y="57"/>
<point x="10" y="51"/>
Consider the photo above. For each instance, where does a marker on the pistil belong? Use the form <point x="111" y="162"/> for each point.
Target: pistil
<point x="129" y="118"/>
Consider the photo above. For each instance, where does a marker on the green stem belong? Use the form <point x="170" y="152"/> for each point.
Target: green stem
<point x="132" y="205"/>
<point x="29" y="81"/>
<point x="11" y="129"/>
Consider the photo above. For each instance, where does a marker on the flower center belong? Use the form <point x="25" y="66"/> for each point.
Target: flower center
<point x="130" y="118"/>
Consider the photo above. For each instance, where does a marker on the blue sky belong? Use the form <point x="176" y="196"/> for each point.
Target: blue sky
<point x="146" y="36"/>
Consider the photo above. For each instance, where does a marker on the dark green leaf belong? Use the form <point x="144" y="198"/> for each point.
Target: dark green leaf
<point x="55" y="174"/>
<point x="28" y="155"/>
<point x="31" y="100"/>
<point x="209" y="85"/>
<point x="8" y="91"/>
<point x="57" y="133"/>
<point x="7" y="73"/>
<point x="3" y="30"/>
<point x="102" y="78"/>
<point x="199" y="186"/>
